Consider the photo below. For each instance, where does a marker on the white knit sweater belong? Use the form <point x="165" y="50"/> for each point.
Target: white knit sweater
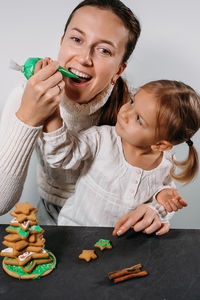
<point x="18" y="140"/>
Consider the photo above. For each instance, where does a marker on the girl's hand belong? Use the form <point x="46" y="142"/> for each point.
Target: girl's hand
<point x="143" y="218"/>
<point x="171" y="200"/>
<point x="42" y="95"/>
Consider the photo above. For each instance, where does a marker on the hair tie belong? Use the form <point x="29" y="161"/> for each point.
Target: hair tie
<point x="190" y="143"/>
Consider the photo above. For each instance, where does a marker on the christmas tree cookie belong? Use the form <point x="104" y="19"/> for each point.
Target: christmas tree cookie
<point x="25" y="256"/>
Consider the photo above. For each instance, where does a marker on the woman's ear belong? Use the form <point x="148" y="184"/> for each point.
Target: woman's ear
<point x="120" y="71"/>
<point x="162" y="146"/>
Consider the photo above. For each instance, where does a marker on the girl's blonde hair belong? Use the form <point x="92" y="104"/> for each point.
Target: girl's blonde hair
<point x="178" y="119"/>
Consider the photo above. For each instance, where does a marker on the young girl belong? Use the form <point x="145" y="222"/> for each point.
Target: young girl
<point x="135" y="154"/>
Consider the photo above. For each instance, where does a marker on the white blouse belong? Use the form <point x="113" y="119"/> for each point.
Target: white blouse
<point x="108" y="186"/>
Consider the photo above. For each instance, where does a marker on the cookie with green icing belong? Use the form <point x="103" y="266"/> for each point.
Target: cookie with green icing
<point x="103" y="244"/>
<point x="25" y="256"/>
<point x="39" y="269"/>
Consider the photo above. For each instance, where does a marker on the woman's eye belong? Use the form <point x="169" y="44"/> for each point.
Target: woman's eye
<point x="105" y="51"/>
<point x="75" y="39"/>
<point x="139" y="120"/>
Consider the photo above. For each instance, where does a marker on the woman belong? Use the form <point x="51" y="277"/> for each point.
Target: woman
<point x="98" y="39"/>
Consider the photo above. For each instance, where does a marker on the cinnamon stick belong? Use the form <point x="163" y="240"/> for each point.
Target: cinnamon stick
<point x="126" y="277"/>
<point x="125" y="271"/>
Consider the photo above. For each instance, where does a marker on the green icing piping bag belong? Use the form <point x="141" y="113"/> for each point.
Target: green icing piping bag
<point x="29" y="67"/>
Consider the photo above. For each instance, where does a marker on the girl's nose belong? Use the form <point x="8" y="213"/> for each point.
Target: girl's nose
<point x="124" y="116"/>
<point x="127" y="112"/>
<point x="84" y="57"/>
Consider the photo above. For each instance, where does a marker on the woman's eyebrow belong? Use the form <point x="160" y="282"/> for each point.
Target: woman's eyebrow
<point x="77" y="29"/>
<point x="108" y="42"/>
<point x="100" y="41"/>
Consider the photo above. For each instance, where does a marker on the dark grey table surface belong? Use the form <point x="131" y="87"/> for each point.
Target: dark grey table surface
<point x="173" y="263"/>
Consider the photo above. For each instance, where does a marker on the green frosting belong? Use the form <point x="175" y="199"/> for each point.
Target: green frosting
<point x="20" y="231"/>
<point x="103" y="243"/>
<point x="24" y="233"/>
<point x="39" y="269"/>
<point x="12" y="227"/>
<point x="35" y="228"/>
<point x="29" y="66"/>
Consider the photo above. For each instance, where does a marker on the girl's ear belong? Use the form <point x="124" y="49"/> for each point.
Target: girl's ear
<point x="162" y="146"/>
<point x="120" y="71"/>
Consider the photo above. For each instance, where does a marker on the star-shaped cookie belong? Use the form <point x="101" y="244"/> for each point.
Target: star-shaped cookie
<point x="103" y="244"/>
<point x="24" y="208"/>
<point x="87" y="255"/>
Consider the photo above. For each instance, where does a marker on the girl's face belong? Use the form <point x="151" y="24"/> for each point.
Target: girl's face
<point x="92" y="48"/>
<point x="136" y="121"/>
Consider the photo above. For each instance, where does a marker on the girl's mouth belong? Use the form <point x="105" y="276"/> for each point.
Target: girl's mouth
<point x="83" y="77"/>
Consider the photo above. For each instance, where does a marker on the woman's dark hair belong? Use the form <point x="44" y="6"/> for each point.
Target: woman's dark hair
<point x="120" y="92"/>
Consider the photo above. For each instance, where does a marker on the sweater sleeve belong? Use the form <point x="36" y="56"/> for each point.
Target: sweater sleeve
<point x="160" y="210"/>
<point x="17" y="141"/>
<point x="66" y="149"/>
<point x="162" y="213"/>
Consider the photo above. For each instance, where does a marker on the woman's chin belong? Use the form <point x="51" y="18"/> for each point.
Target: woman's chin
<point x="78" y="92"/>
<point x="76" y="96"/>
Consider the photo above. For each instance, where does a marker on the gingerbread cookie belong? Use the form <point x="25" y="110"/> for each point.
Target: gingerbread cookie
<point x="36" y="240"/>
<point x="19" y="245"/>
<point x="19" y="231"/>
<point x="10" y="252"/>
<point x="12" y="237"/>
<point x="30" y="266"/>
<point x="103" y="244"/>
<point x="26" y="256"/>
<point x="87" y="255"/>
<point x="24" y="209"/>
<point x="24" y="225"/>
<point x="36" y="272"/>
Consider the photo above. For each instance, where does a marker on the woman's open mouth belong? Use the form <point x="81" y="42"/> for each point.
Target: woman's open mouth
<point x="83" y="77"/>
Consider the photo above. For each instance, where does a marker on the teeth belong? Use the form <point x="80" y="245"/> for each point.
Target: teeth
<point x="80" y="74"/>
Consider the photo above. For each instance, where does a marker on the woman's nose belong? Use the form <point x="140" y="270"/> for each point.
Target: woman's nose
<point x="84" y="57"/>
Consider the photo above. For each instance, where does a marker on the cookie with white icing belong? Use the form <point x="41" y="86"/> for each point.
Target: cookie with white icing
<point x="25" y="256"/>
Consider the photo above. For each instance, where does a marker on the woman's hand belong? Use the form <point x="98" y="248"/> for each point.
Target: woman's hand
<point x="54" y="122"/>
<point x="143" y="218"/>
<point x="171" y="200"/>
<point x="42" y="95"/>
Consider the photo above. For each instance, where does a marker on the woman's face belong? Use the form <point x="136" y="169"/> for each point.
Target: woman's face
<point x="92" y="48"/>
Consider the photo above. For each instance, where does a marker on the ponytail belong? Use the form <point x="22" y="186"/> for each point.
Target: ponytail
<point x="118" y="97"/>
<point x="178" y="119"/>
<point x="189" y="167"/>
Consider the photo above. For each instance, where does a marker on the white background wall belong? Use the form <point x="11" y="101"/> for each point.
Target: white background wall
<point x="169" y="47"/>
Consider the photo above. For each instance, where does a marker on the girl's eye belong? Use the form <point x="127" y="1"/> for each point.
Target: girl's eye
<point x="75" y="39"/>
<point x="131" y="101"/>
<point x="139" y="120"/>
